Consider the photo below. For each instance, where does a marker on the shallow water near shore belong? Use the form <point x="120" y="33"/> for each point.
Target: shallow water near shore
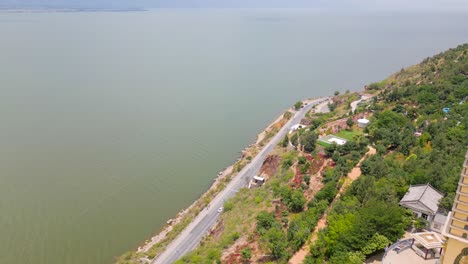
<point x="113" y="122"/>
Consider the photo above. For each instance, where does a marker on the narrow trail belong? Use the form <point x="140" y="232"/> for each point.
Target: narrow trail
<point x="317" y="186"/>
<point x="300" y="255"/>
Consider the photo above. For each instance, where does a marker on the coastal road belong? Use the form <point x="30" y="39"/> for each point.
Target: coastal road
<point x="189" y="238"/>
<point x="355" y="103"/>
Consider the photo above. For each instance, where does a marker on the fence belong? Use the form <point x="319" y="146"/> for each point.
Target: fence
<point x="401" y="244"/>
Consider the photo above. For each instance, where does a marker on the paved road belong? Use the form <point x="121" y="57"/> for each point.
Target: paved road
<point x="206" y="219"/>
<point x="323" y="107"/>
<point x="355" y="103"/>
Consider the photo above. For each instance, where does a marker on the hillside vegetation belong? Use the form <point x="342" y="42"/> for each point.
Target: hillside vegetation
<point x="410" y="102"/>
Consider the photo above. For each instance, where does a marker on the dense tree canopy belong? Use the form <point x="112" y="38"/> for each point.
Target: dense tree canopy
<point x="417" y="143"/>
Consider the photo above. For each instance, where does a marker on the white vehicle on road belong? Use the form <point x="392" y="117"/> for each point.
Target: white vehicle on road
<point x="220" y="209"/>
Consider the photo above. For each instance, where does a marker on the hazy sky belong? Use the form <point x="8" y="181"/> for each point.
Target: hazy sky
<point x="382" y="5"/>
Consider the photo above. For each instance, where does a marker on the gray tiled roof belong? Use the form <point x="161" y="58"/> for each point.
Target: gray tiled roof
<point x="423" y="198"/>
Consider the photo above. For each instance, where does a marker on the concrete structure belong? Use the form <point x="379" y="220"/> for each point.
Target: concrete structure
<point x="330" y="139"/>
<point x="456" y="226"/>
<point x="258" y="180"/>
<point x="438" y="222"/>
<point x="427" y="244"/>
<point x="296" y="127"/>
<point x="423" y="200"/>
<point x="363" y="122"/>
<point x="401" y="253"/>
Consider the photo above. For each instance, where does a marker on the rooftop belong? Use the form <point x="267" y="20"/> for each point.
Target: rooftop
<point x="429" y="239"/>
<point x="407" y="256"/>
<point x="424" y="198"/>
<point x="363" y="120"/>
<point x="330" y="139"/>
<point x="258" y="178"/>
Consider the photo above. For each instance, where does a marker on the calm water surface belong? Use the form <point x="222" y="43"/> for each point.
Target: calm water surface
<point x="110" y="123"/>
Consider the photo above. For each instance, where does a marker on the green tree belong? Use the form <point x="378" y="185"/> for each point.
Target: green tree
<point x="307" y="179"/>
<point x="302" y="160"/>
<point x="421" y="223"/>
<point x="265" y="221"/>
<point x="298" y="105"/>
<point x="356" y="257"/>
<point x="228" y="205"/>
<point x="447" y="201"/>
<point x="328" y="192"/>
<point x="297" y="201"/>
<point x="294" y="139"/>
<point x="376" y="243"/>
<point x="246" y="254"/>
<point x="285" y="141"/>
<point x="350" y="122"/>
<point x="308" y="139"/>
<point x="288" y="160"/>
<point x="330" y="149"/>
<point x="336" y="93"/>
<point x="214" y="255"/>
<point x="298" y="232"/>
<point x="276" y="242"/>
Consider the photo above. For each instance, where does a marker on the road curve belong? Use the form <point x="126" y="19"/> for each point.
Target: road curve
<point x="189" y="238"/>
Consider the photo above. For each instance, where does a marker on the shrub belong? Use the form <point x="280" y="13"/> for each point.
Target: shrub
<point x="246" y="254"/>
<point x="265" y="221"/>
<point x="297" y="201"/>
<point x="302" y="160"/>
<point x="298" y="105"/>
<point x="308" y="140"/>
<point x="228" y="205"/>
<point x="307" y="179"/>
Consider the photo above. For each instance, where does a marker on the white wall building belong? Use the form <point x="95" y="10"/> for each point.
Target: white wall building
<point x="363" y="122"/>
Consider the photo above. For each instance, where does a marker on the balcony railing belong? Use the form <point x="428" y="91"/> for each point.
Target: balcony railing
<point x="463" y="220"/>
<point x="462" y="193"/>
<point x="460" y="210"/>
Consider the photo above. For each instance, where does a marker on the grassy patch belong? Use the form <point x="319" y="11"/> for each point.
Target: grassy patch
<point x="322" y="143"/>
<point x="349" y="135"/>
<point x="237" y="221"/>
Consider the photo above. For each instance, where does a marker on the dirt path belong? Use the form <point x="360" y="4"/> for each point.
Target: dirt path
<point x="300" y="255"/>
<point x="317" y="184"/>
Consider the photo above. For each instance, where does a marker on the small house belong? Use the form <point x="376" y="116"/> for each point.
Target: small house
<point x="423" y="200"/>
<point x="258" y="180"/>
<point x="363" y="122"/>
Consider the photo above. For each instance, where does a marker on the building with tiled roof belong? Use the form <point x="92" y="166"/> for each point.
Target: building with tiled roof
<point x="423" y="200"/>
